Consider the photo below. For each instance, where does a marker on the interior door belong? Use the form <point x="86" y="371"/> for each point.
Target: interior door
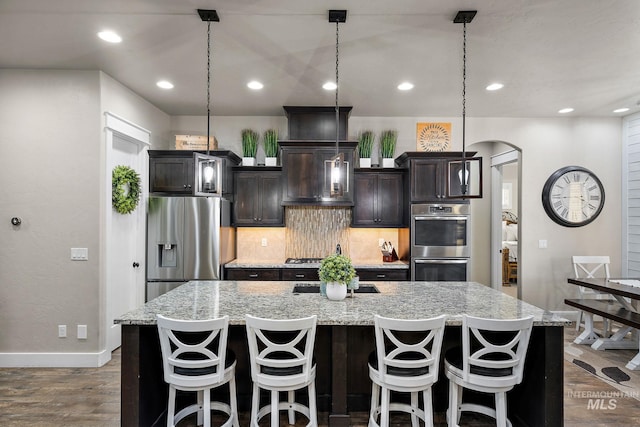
<point x="125" y="246"/>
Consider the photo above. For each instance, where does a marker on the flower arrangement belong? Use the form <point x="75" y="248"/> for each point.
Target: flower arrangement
<point x="270" y="139"/>
<point x="388" y="140"/>
<point x="249" y="142"/>
<point x="365" y="144"/>
<point x="336" y="268"/>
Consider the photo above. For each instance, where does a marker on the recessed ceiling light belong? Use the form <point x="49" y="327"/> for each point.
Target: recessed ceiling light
<point x="621" y="110"/>
<point x="255" y="85"/>
<point x="565" y="110"/>
<point x="405" y="86"/>
<point x="110" y="36"/>
<point x="495" y="86"/>
<point x="329" y="86"/>
<point x="164" y="84"/>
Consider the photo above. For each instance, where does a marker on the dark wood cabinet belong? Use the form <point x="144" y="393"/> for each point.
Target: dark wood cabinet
<point x="172" y="172"/>
<point x="306" y="171"/>
<point x="252" y="274"/>
<point x="299" y="274"/>
<point x="258" y="197"/>
<point x="383" y="274"/>
<point x="429" y="175"/>
<point x="378" y="199"/>
<point x="171" y="175"/>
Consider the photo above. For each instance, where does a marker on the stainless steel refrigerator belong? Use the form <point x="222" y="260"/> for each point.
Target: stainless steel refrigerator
<point x="188" y="238"/>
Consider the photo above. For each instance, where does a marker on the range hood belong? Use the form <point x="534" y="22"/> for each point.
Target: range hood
<point x="317" y="123"/>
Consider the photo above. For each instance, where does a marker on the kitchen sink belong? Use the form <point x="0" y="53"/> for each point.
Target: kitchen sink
<point x="314" y="288"/>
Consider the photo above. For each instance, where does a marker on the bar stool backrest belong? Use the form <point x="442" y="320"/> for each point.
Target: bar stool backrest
<point x="281" y="351"/>
<point x="193" y="351"/>
<point x="409" y="360"/>
<point x="494" y="350"/>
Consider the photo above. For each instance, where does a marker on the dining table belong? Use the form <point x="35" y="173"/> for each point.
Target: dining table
<point x="624" y="306"/>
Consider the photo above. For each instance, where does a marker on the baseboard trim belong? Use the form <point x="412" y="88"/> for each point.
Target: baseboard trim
<point x="54" y="360"/>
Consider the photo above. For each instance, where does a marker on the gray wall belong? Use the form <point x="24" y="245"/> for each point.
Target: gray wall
<point x="52" y="174"/>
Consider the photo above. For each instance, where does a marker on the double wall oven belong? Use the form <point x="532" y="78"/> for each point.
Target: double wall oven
<point x="440" y="242"/>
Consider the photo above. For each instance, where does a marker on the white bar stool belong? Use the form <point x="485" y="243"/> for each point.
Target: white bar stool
<point x="195" y="358"/>
<point x="281" y="358"/>
<point x="488" y="363"/>
<point x="406" y="360"/>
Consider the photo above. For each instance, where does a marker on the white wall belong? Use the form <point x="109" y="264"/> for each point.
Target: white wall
<point x="52" y="174"/>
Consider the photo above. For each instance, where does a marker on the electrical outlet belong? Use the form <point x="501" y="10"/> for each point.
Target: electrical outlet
<point x="264" y="241"/>
<point x="542" y="244"/>
<point x="79" y="254"/>
<point x="380" y="241"/>
<point x="62" y="331"/>
<point x="82" y="332"/>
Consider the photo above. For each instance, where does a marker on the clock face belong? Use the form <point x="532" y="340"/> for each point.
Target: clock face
<point x="573" y="196"/>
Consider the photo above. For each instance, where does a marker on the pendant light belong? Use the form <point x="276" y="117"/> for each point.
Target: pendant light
<point x="208" y="169"/>
<point x="464" y="176"/>
<point x="337" y="162"/>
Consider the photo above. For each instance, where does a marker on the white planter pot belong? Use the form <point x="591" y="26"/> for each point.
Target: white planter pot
<point x="365" y="162"/>
<point x="270" y="161"/>
<point x="388" y="163"/>
<point x="336" y="291"/>
<point x="248" y="161"/>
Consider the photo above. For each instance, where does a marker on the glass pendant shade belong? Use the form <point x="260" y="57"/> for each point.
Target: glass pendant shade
<point x="337" y="188"/>
<point x="464" y="178"/>
<point x="208" y="174"/>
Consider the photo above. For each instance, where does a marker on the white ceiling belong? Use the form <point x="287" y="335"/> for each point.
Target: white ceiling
<point x="549" y="54"/>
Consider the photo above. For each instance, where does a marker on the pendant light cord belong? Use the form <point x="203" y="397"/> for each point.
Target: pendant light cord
<point x="208" y="83"/>
<point x="464" y="106"/>
<point x="337" y="88"/>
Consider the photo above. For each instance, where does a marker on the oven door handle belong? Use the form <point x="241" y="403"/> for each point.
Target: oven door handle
<point x="428" y="218"/>
<point x="441" y="261"/>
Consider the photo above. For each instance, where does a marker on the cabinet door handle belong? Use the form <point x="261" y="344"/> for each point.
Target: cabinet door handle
<point x="381" y="276"/>
<point x="300" y="276"/>
<point x="255" y="219"/>
<point x="253" y="275"/>
<point x="259" y="219"/>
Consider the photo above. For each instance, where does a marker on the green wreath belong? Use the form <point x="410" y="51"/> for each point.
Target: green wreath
<point x="125" y="189"/>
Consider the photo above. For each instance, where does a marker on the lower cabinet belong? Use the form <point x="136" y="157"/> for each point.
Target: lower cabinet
<point x="311" y="274"/>
<point x="383" y="274"/>
<point x="252" y="274"/>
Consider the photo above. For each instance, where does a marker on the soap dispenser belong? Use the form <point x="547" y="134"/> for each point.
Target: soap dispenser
<point x="338" y="249"/>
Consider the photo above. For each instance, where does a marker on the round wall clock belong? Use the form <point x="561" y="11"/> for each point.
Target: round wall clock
<point x="573" y="196"/>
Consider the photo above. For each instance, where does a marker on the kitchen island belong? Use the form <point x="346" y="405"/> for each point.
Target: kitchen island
<point x="344" y="339"/>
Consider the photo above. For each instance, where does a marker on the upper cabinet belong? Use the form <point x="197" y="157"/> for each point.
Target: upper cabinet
<point x="429" y="175"/>
<point x="378" y="198"/>
<point x="258" y="197"/>
<point x="306" y="168"/>
<point x="173" y="171"/>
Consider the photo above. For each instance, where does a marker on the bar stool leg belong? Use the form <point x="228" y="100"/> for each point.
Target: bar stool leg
<point x="428" y="407"/>
<point x="200" y="399"/>
<point x="313" y="410"/>
<point x="384" y="414"/>
<point x="233" y="400"/>
<point x="255" y="405"/>
<point x="291" y="412"/>
<point x="275" y="412"/>
<point x="206" y="407"/>
<point x="414" y="404"/>
<point x="171" y="410"/>
<point x="375" y="401"/>
<point x="501" y="409"/>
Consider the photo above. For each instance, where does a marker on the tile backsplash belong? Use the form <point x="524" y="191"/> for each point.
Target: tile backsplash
<point x="313" y="232"/>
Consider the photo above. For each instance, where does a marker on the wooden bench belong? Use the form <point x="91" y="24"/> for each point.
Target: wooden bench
<point x="609" y="309"/>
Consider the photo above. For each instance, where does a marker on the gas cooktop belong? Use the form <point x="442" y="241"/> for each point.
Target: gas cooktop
<point x="303" y="260"/>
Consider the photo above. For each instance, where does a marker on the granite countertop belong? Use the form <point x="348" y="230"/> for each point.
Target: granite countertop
<point x="403" y="300"/>
<point x="400" y="265"/>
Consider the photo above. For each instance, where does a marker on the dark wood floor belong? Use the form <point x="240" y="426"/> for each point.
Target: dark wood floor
<point x="91" y="397"/>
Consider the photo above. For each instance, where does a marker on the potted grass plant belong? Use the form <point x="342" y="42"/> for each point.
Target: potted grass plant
<point x="270" y="140"/>
<point x="388" y="139"/>
<point x="336" y="271"/>
<point x="365" y="146"/>
<point x="249" y="147"/>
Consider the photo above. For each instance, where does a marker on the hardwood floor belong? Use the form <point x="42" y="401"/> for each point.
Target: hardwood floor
<point x="87" y="397"/>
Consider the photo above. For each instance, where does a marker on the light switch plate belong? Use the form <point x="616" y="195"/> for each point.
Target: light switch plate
<point x="82" y="332"/>
<point x="79" y="254"/>
<point x="264" y="241"/>
<point x="542" y="244"/>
